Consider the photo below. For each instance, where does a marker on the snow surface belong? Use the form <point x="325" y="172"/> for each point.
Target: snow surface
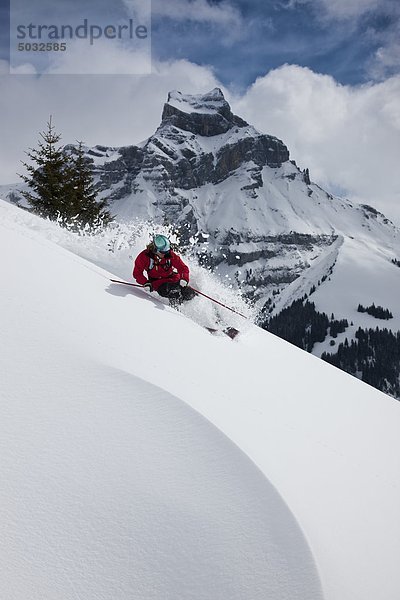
<point x="143" y="457"/>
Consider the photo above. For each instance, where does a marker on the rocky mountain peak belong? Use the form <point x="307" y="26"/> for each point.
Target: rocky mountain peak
<point x="198" y="142"/>
<point x="202" y="114"/>
<point x="212" y="101"/>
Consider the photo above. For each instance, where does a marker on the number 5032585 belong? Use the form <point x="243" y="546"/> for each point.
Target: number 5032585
<point x="42" y="47"/>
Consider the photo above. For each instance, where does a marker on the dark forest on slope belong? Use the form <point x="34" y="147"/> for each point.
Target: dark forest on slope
<point x="373" y="357"/>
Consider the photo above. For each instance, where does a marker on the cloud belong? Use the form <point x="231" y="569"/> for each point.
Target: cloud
<point x="386" y="59"/>
<point x="376" y="21"/>
<point x="349" y="137"/>
<point x="223" y="13"/>
<point x="24" y="69"/>
<point x="339" y="9"/>
<point x="389" y="56"/>
<point x="205" y="18"/>
<point x="345" y="8"/>
<point x="104" y="57"/>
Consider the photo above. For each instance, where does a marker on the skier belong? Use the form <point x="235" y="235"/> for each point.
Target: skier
<point x="166" y="272"/>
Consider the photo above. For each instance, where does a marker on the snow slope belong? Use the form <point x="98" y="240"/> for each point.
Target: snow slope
<point x="364" y="273"/>
<point x="143" y="457"/>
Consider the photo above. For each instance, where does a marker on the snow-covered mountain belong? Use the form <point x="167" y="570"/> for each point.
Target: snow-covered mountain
<point x="258" y="220"/>
<point x="143" y="457"/>
<point x="257" y="217"/>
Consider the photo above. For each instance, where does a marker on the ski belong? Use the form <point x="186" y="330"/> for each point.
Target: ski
<point x="231" y="332"/>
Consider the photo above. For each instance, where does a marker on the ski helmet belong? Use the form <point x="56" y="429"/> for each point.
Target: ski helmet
<point x="161" y="243"/>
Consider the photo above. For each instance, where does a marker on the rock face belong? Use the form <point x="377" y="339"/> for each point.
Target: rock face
<point x="214" y="176"/>
<point x="199" y="141"/>
<point x="205" y="115"/>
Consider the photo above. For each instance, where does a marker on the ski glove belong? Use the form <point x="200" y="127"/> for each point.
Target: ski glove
<point x="183" y="283"/>
<point x="148" y="286"/>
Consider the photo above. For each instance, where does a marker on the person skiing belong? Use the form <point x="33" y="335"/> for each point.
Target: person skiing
<point x="166" y="272"/>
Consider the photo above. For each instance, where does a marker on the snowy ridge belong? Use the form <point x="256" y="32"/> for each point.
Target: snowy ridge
<point x="301" y="286"/>
<point x="201" y="103"/>
<point x="112" y="485"/>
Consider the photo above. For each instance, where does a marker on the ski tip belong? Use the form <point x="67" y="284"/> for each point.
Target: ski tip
<point x="211" y="329"/>
<point x="127" y="283"/>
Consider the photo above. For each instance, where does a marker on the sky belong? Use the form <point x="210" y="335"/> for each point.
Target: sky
<point x="322" y="75"/>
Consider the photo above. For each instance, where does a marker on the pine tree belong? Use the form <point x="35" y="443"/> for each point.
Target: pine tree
<point x="47" y="175"/>
<point x="83" y="207"/>
<point x="62" y="186"/>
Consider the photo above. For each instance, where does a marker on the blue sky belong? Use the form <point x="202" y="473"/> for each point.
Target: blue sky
<point x="244" y="39"/>
<point x="272" y="34"/>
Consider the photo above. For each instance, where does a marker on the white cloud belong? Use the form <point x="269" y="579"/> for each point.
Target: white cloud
<point x="340" y="9"/>
<point x="349" y="137"/>
<point x="386" y="59"/>
<point x="24" y="69"/>
<point x="104" y="57"/>
<point x="382" y="33"/>
<point x="349" y="8"/>
<point x="140" y="10"/>
<point x="222" y="13"/>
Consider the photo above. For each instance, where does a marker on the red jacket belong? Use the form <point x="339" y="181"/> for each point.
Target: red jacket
<point x="169" y="268"/>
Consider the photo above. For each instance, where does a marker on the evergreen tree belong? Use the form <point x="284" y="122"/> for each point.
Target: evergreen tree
<point x="376" y="311"/>
<point x="61" y="184"/>
<point x="46" y="176"/>
<point x="83" y="207"/>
